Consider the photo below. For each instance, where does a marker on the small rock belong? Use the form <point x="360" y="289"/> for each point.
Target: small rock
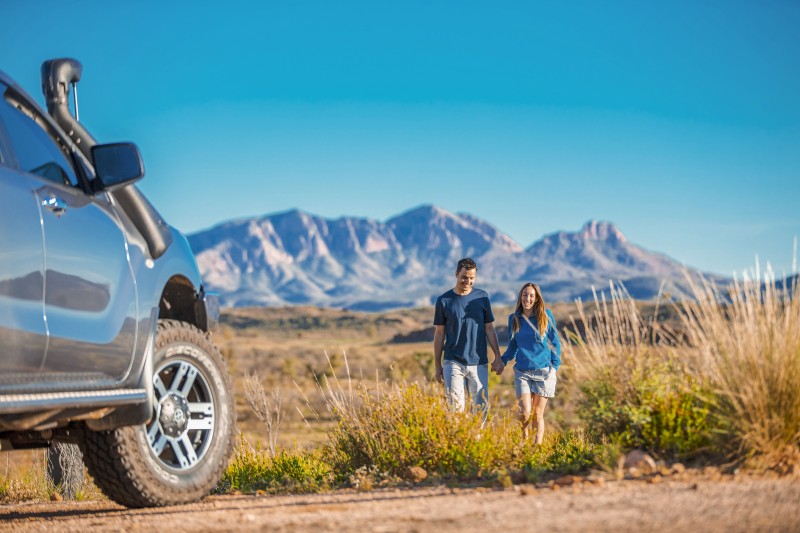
<point x="416" y="474"/>
<point x="678" y="468"/>
<point x="56" y="497"/>
<point x="526" y="490"/>
<point x="639" y="460"/>
<point x="655" y="480"/>
<point x="793" y="470"/>
<point x="556" y="488"/>
<point x="566" y="481"/>
<point x="596" y="480"/>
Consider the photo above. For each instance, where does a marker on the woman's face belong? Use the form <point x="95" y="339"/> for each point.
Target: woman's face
<point x="528" y="298"/>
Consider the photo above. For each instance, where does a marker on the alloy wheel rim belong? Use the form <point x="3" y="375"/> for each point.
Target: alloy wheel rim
<point x="182" y="426"/>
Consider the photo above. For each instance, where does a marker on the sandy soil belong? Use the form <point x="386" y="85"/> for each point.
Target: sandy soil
<point x="727" y="504"/>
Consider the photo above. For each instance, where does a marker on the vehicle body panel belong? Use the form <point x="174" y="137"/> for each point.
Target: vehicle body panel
<point x="90" y="291"/>
<point x="22" y="328"/>
<point x="81" y="290"/>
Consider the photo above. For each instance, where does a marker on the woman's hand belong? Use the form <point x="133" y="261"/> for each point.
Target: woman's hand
<point x="497" y="366"/>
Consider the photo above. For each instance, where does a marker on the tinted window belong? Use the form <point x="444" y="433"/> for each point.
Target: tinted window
<point x="36" y="152"/>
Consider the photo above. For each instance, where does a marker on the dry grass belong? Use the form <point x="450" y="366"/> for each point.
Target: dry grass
<point x="746" y="341"/>
<point x="731" y="370"/>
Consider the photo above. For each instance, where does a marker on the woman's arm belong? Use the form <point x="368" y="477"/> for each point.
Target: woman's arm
<point x="511" y="350"/>
<point x="554" y="341"/>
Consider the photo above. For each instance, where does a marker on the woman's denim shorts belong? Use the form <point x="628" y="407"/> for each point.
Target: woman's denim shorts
<point x="541" y="382"/>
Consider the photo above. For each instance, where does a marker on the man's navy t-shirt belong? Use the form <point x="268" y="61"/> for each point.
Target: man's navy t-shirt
<point x="464" y="319"/>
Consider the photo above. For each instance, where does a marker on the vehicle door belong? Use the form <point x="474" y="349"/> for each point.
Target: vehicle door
<point x="23" y="336"/>
<point x="89" y="287"/>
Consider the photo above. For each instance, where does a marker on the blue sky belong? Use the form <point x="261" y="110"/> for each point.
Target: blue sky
<point x="677" y="121"/>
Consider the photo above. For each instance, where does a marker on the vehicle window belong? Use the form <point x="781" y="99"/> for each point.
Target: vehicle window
<point x="35" y="150"/>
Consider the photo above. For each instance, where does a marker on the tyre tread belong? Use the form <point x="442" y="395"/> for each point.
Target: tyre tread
<point x="113" y="458"/>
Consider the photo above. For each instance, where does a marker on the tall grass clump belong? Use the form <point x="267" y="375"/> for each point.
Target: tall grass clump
<point x="747" y="344"/>
<point x="390" y="428"/>
<point x="395" y="427"/>
<point x="638" y="388"/>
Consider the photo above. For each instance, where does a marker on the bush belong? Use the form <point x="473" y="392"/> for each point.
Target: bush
<point x="564" y="452"/>
<point x="747" y="345"/>
<point x="393" y="429"/>
<point x="252" y="469"/>
<point x="637" y="391"/>
<point x="727" y="385"/>
<point x="663" y="410"/>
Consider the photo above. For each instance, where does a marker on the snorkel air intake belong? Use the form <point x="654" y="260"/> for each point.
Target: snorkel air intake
<point x="57" y="76"/>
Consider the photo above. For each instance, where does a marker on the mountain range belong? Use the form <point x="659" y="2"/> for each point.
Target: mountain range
<point x="296" y="258"/>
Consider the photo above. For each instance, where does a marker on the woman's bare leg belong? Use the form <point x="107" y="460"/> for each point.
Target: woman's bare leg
<point x="538" y="416"/>
<point x="524" y="402"/>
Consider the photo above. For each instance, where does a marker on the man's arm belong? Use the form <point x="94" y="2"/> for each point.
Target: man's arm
<point x="438" y="346"/>
<point x="491" y="338"/>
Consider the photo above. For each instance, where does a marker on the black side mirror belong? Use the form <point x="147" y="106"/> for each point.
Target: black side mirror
<point x="117" y="165"/>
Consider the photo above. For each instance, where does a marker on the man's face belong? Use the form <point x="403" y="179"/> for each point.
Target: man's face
<point x="464" y="280"/>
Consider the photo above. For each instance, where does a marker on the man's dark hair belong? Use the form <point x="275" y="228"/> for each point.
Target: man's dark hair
<point x="467" y="263"/>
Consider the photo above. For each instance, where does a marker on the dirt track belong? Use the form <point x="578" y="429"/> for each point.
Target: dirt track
<point x="755" y="504"/>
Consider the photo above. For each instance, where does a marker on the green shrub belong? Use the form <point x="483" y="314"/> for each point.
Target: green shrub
<point x="393" y="429"/>
<point x="562" y="452"/>
<point x="747" y="345"/>
<point x="253" y="469"/>
<point x="661" y="409"/>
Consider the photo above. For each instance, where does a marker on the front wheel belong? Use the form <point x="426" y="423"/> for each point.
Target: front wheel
<point x="181" y="454"/>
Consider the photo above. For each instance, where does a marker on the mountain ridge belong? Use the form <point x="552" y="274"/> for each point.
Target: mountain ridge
<point x="297" y="258"/>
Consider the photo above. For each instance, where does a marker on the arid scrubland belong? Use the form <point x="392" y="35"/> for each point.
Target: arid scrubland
<point x="333" y="398"/>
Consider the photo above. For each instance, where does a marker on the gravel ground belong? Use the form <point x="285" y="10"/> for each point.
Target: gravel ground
<point x="687" y="503"/>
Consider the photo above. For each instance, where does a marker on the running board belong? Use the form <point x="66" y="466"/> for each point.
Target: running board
<point x="24" y="403"/>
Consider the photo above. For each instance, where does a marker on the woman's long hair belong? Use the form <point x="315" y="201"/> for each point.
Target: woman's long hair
<point x="539" y="315"/>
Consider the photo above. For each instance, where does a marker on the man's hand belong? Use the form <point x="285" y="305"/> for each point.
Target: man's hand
<point x="439" y="375"/>
<point x="498" y="366"/>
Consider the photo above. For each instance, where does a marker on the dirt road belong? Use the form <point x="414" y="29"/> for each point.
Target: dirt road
<point x="756" y="504"/>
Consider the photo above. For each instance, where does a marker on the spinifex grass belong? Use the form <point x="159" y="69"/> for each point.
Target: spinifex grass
<point x="729" y="385"/>
<point x="639" y="387"/>
<point x="393" y="427"/>
<point x="747" y="345"/>
<point x="396" y="427"/>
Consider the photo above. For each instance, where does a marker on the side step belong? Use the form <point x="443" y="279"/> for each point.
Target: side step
<point x="23" y="403"/>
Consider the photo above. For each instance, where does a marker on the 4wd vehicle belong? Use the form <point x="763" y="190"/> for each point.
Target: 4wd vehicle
<point x="104" y="323"/>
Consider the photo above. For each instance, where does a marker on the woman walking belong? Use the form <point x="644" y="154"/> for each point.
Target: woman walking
<point x="534" y="343"/>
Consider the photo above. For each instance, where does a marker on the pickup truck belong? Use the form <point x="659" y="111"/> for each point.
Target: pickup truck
<point x="105" y="326"/>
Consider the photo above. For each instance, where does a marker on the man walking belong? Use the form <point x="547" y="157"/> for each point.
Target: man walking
<point x="464" y="323"/>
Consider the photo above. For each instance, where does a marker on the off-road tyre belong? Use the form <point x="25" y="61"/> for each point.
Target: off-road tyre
<point x="150" y="465"/>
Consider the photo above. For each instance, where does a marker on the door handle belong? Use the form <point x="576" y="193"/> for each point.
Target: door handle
<point x="55" y="205"/>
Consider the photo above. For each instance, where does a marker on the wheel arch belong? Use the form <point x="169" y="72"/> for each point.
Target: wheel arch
<point x="181" y="300"/>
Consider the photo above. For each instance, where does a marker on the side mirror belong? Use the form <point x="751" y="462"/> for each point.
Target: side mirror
<point x="117" y="165"/>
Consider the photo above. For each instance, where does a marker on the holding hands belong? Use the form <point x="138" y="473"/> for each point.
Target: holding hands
<point x="497" y="366"/>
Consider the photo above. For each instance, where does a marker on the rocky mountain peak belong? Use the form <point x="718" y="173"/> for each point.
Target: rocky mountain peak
<point x="295" y="257"/>
<point x="601" y="231"/>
